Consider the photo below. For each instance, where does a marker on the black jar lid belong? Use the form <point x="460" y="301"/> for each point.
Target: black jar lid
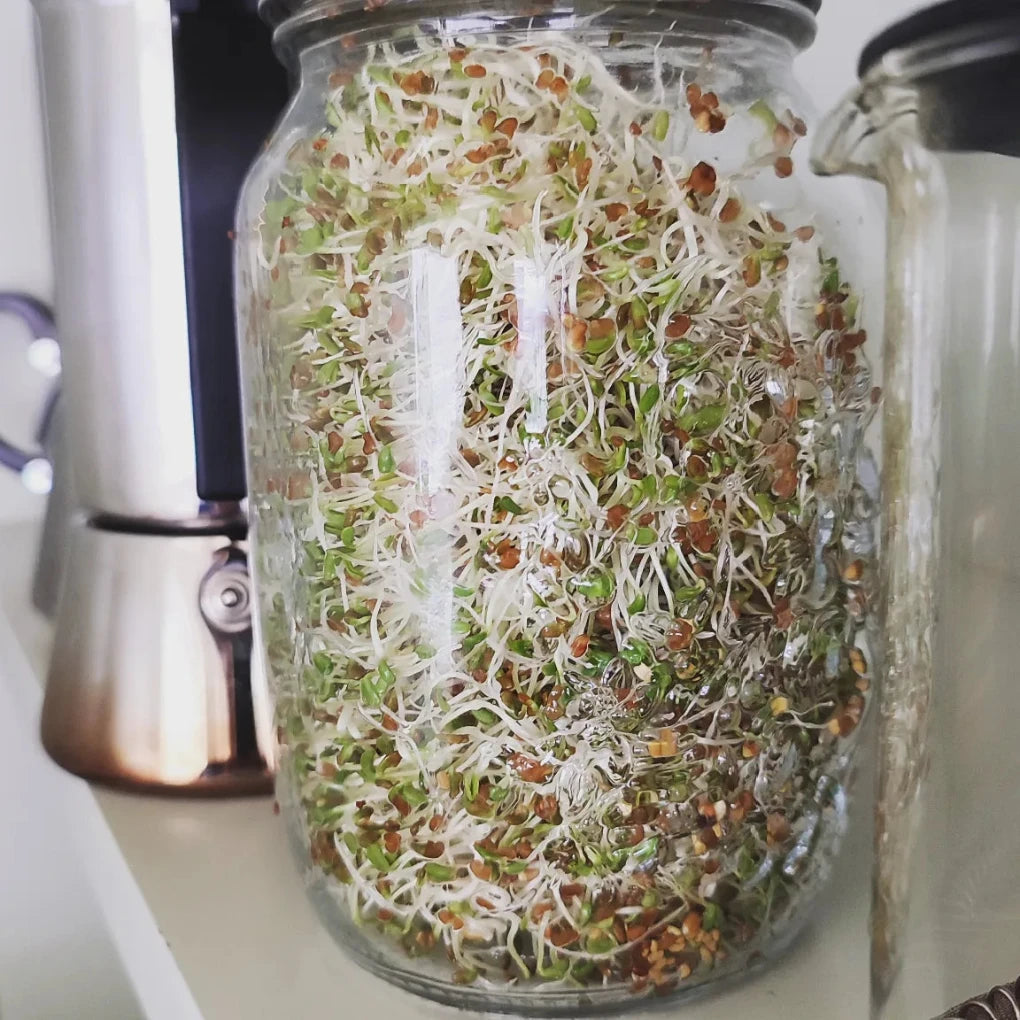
<point x="943" y="19"/>
<point x="963" y="59"/>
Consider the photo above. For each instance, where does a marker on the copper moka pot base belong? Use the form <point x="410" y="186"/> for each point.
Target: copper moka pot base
<point x="153" y="684"/>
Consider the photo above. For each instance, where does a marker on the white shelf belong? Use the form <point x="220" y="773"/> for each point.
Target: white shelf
<point x="216" y="879"/>
<point x="78" y="938"/>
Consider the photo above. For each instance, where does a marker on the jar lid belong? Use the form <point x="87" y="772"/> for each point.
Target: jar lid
<point x="962" y="57"/>
<point x="959" y="18"/>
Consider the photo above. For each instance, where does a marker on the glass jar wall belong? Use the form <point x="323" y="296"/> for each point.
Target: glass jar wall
<point x="556" y="389"/>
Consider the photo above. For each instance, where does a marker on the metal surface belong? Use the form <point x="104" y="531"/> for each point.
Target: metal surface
<point x="152" y="681"/>
<point x="108" y="89"/>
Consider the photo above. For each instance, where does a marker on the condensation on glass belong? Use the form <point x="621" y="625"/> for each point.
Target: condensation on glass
<point x="557" y="386"/>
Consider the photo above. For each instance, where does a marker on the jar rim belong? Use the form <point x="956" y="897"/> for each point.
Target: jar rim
<point x="291" y="19"/>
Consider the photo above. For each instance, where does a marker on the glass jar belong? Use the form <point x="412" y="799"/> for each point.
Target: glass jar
<point x="556" y="390"/>
<point x="934" y="121"/>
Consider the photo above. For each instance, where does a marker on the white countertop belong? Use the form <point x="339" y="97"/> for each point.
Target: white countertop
<point x="224" y="890"/>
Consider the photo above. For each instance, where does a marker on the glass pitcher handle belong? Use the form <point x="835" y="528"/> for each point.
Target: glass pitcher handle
<point x="33" y="466"/>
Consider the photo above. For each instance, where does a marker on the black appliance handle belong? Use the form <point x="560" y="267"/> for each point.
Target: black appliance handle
<point x="230" y="90"/>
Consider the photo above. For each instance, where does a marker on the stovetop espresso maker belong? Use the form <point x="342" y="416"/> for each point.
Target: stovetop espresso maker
<point x="154" y="110"/>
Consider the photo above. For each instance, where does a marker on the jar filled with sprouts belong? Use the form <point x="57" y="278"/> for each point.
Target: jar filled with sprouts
<point x="557" y="393"/>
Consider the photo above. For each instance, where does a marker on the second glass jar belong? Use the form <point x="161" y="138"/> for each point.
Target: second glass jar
<point x="556" y="392"/>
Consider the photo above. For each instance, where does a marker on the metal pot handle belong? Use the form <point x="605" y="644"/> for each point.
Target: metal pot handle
<point x="39" y="320"/>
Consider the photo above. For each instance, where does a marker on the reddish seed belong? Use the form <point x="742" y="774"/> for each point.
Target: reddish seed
<point x="777" y="827"/>
<point x="635" y="128"/>
<point x="679" y="635"/>
<point x="709" y="837"/>
<point x="319" y="144"/>
<point x="784" y="485"/>
<point x="548" y="558"/>
<point x="370" y="444"/>
<point x="783" y="166"/>
<point x="458" y="54"/>
<point x="702" y="179"/>
<point x="528" y="769"/>
<point x="481" y="870"/>
<point x="784" y="455"/>
<point x="417" y="83"/>
<point x="507" y="127"/>
<point x="545" y="78"/>
<point x="751" y="271"/>
<point x="579" y="646"/>
<point x="475" y="71"/>
<point x="730" y="211"/>
<point x="782" y="614"/>
<point x="576" y="332"/>
<point x="509" y="558"/>
<point x="702" y="536"/>
<point x="693" y="93"/>
<point x="616" y="515"/>
<point x="546" y="807"/>
<point x="679" y="326"/>
<point x="561" y="934"/>
<point x="582" y="172"/>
